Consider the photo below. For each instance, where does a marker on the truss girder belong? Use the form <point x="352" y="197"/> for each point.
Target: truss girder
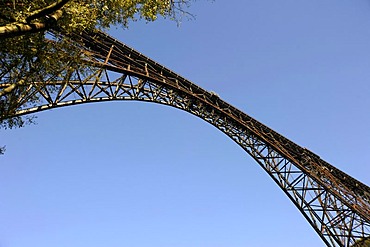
<point x="336" y="205"/>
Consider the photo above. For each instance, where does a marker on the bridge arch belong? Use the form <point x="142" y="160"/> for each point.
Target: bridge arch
<point x="323" y="194"/>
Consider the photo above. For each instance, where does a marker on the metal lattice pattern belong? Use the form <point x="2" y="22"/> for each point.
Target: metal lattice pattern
<point x="335" y="204"/>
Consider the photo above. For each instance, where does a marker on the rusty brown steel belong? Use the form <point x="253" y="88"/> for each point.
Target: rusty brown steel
<point x="335" y="204"/>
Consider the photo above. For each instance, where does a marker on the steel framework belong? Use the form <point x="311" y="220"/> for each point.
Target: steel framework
<point x="336" y="205"/>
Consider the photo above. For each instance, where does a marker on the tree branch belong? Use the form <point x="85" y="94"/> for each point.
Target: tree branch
<point x="47" y="10"/>
<point x="11" y="88"/>
<point x="19" y="28"/>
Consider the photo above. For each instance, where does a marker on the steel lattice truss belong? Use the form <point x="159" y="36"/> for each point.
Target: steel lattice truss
<point x="336" y="205"/>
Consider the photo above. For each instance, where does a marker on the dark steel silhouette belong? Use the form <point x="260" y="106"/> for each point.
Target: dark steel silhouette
<point x="336" y="205"/>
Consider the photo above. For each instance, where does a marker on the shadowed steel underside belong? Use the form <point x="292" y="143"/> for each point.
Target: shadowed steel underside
<point x="336" y="205"/>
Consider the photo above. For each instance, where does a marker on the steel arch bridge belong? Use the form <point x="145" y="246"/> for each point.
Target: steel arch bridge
<point x="336" y="205"/>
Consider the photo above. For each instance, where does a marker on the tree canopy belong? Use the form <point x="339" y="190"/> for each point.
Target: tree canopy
<point x="23" y="16"/>
<point x="28" y="53"/>
<point x="32" y="54"/>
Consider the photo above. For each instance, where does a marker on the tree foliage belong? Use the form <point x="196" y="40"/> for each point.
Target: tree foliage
<point x="20" y="16"/>
<point x="28" y="53"/>
<point x="362" y="243"/>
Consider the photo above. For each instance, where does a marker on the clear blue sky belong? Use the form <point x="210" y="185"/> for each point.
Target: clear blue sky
<point x="128" y="174"/>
